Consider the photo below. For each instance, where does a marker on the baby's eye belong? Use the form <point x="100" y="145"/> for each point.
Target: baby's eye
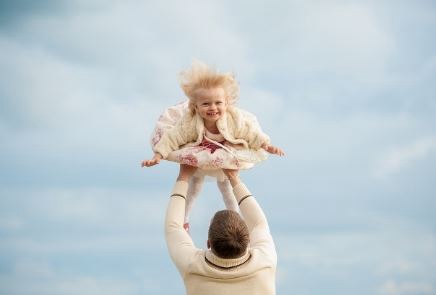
<point x="219" y="102"/>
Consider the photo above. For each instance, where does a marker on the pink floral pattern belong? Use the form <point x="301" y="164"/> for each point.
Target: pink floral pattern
<point x="207" y="156"/>
<point x="204" y="158"/>
<point x="157" y="135"/>
<point x="188" y="159"/>
<point x="217" y="162"/>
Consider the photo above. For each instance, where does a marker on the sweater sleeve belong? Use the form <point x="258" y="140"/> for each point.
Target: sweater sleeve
<point x="179" y="243"/>
<point x="260" y="236"/>
<point x="248" y="128"/>
<point x="175" y="137"/>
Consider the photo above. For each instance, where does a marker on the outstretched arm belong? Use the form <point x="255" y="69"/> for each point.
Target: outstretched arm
<point x="172" y="139"/>
<point x="250" y="209"/>
<point x="249" y="129"/>
<point x="273" y="149"/>
<point x="260" y="236"/>
<point x="156" y="160"/>
<point x="179" y="243"/>
<point x="183" y="132"/>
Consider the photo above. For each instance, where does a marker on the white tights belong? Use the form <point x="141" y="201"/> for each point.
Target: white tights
<point x="195" y="185"/>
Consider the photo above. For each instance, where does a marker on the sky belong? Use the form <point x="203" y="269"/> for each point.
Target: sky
<point x="346" y="88"/>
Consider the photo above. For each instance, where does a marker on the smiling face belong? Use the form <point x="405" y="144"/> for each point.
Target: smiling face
<point x="211" y="104"/>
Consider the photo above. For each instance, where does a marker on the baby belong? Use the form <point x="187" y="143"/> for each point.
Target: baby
<point x="209" y="132"/>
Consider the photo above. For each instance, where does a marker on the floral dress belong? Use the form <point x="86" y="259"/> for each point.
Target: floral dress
<point x="213" y="154"/>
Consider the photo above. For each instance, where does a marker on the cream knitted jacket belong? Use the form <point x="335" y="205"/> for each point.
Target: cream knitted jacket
<point x="237" y="126"/>
<point x="207" y="274"/>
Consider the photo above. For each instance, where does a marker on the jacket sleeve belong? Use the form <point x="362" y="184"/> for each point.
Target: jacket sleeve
<point x="180" y="245"/>
<point x="177" y="136"/>
<point x="260" y="235"/>
<point x="248" y="128"/>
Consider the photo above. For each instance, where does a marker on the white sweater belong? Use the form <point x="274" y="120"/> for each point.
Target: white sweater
<point x="238" y="127"/>
<point x="207" y="274"/>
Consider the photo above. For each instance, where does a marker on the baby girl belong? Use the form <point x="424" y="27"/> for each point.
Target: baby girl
<point x="208" y="131"/>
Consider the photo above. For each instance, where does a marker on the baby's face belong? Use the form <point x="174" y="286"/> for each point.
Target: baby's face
<point x="211" y="103"/>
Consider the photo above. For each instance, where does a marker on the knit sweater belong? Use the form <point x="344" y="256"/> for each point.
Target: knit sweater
<point x="238" y="127"/>
<point x="205" y="273"/>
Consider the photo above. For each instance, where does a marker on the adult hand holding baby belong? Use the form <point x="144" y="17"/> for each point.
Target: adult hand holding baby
<point x="186" y="171"/>
<point x="233" y="176"/>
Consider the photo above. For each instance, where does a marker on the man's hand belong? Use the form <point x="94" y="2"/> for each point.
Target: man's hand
<point x="156" y="159"/>
<point x="233" y="176"/>
<point x="273" y="150"/>
<point x="186" y="171"/>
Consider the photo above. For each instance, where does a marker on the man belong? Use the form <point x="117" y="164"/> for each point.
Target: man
<point x="241" y="257"/>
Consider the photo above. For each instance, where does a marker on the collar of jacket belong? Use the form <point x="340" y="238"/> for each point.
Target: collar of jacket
<point x="226" y="263"/>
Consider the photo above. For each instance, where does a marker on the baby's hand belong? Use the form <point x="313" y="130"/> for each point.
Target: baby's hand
<point x="148" y="163"/>
<point x="273" y="150"/>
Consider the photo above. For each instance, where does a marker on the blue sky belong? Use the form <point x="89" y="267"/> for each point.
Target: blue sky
<point x="346" y="88"/>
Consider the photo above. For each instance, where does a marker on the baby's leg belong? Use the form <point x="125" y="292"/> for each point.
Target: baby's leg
<point x="195" y="185"/>
<point x="228" y="196"/>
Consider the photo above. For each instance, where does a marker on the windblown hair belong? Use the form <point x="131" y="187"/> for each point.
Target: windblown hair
<point x="201" y="76"/>
<point x="228" y="234"/>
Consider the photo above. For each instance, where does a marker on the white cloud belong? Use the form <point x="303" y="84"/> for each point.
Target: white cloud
<point x="265" y="105"/>
<point x="40" y="278"/>
<point x="86" y="207"/>
<point x="328" y="251"/>
<point x="399" y="158"/>
<point x="401" y="267"/>
<point x="385" y="249"/>
<point x="33" y="269"/>
<point x="97" y="221"/>
<point x="11" y="223"/>
<point x="321" y="48"/>
<point x="346" y="36"/>
<point x="393" y="287"/>
<point x="110" y="243"/>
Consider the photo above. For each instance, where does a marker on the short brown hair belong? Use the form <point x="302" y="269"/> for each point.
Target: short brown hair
<point x="228" y="234"/>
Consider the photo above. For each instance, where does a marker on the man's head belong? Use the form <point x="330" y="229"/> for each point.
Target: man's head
<point x="228" y="234"/>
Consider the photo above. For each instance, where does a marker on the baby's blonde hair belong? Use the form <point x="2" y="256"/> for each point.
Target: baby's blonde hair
<point x="201" y="76"/>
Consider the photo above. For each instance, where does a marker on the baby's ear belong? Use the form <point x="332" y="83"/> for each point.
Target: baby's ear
<point x="193" y="108"/>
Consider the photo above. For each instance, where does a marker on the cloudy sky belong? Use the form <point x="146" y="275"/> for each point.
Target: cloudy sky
<point x="346" y="88"/>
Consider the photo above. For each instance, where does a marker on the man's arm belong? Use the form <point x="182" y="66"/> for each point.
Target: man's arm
<point x="250" y="209"/>
<point x="179" y="243"/>
<point x="260" y="236"/>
